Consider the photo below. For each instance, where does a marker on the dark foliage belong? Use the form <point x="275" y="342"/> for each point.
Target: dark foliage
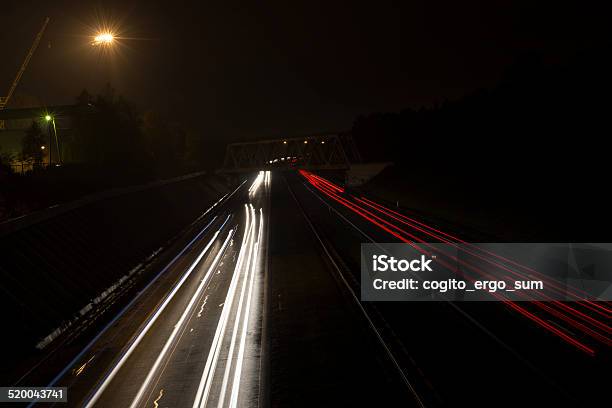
<point x="33" y="143"/>
<point x="110" y="135"/>
<point x="535" y="144"/>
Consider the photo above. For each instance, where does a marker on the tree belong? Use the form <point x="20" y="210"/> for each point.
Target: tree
<point x="5" y="163"/>
<point x="84" y="98"/>
<point x="32" y="144"/>
<point x="109" y="132"/>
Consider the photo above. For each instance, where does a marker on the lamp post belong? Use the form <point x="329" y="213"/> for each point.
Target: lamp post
<point x="51" y="119"/>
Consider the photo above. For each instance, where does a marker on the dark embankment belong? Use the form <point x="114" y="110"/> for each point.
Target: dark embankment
<point x="53" y="268"/>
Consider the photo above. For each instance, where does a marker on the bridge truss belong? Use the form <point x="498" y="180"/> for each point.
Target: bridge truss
<point x="322" y="152"/>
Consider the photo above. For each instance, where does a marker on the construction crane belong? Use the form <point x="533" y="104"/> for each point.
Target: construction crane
<point x="4" y="100"/>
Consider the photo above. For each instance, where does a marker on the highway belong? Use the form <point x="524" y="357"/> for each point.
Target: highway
<point x="261" y="308"/>
<point x="463" y="353"/>
<point x="200" y="334"/>
<point x="198" y="344"/>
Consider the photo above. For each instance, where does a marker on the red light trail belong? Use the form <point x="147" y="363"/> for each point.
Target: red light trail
<point x="556" y="314"/>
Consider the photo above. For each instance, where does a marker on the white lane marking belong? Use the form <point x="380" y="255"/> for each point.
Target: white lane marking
<point x="79" y="370"/>
<point x="146" y="328"/>
<point x="202" y="308"/>
<point x="203" y="387"/>
<point x="180" y="322"/>
<point x="350" y="290"/>
<point x="161" y="394"/>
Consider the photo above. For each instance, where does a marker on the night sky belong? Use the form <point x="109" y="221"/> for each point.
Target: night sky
<point x="263" y="69"/>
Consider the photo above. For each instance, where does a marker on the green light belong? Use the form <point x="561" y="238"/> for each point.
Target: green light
<point x="47" y="117"/>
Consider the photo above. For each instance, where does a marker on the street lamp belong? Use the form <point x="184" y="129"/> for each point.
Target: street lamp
<point x="103" y="39"/>
<point x="51" y="119"/>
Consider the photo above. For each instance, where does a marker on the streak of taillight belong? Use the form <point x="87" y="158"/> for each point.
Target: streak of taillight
<point x="501" y="266"/>
<point x="589" y="304"/>
<point x="331" y="191"/>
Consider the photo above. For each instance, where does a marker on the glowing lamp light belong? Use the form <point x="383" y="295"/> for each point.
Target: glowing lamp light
<point x="103" y="39"/>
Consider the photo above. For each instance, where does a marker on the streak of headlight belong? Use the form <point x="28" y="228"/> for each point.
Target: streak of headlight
<point x="179" y="324"/>
<point x="149" y="323"/>
<point x="245" y="325"/>
<point x="228" y="365"/>
<point x="127" y="307"/>
<point x="256" y="183"/>
<point x="249" y="272"/>
<point x="213" y="354"/>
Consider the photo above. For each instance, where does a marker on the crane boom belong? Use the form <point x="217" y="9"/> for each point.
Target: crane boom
<point x="5" y="100"/>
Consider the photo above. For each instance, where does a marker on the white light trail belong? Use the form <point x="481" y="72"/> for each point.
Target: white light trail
<point x="247" y="265"/>
<point x="248" y="253"/>
<point x="258" y="180"/>
<point x="149" y="324"/>
<point x="235" y="331"/>
<point x="267" y="177"/>
<point x="247" y="314"/>
<point x="179" y="324"/>
<point x="207" y="374"/>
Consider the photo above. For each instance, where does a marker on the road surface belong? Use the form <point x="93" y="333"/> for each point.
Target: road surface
<point x="261" y="308"/>
<point x="193" y="337"/>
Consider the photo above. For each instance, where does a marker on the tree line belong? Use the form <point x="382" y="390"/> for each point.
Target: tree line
<point x="540" y="113"/>
<point x="111" y="131"/>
